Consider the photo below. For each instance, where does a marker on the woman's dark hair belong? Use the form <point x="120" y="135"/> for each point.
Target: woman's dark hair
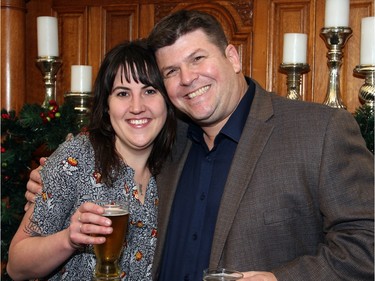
<point x="173" y="26"/>
<point x="137" y="62"/>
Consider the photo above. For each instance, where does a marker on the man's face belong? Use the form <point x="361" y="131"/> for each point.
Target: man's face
<point x="201" y="81"/>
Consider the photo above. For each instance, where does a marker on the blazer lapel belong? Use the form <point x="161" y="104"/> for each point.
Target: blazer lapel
<point x="253" y="140"/>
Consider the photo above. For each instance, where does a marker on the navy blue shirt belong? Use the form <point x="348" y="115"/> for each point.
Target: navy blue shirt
<point x="196" y="203"/>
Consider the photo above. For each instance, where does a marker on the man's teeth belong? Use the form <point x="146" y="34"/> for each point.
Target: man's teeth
<point x="138" y="121"/>
<point x="198" y="92"/>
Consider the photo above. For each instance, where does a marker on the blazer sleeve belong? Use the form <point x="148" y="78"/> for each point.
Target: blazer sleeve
<point x="346" y="202"/>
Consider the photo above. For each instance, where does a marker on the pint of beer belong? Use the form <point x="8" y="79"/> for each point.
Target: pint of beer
<point x="108" y="254"/>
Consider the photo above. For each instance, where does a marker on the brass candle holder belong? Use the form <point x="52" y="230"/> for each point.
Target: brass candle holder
<point x="367" y="90"/>
<point x="82" y="104"/>
<point x="335" y="39"/>
<point x="49" y="66"/>
<point x="294" y="73"/>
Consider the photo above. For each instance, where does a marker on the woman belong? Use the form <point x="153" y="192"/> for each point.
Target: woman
<point x="131" y="130"/>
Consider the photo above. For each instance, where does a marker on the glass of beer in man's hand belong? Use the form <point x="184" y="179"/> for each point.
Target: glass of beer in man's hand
<point x="108" y="254"/>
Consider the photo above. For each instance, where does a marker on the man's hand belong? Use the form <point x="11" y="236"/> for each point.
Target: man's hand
<point x="34" y="185"/>
<point x="258" y="276"/>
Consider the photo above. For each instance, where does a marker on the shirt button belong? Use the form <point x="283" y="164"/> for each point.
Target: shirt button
<point x="203" y="196"/>
<point x="195" y="236"/>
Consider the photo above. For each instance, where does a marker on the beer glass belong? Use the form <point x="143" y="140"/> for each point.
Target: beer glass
<point x="108" y="254"/>
<point x="221" y="274"/>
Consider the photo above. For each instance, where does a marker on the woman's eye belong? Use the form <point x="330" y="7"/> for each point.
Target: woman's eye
<point x="122" y="94"/>
<point x="150" y="91"/>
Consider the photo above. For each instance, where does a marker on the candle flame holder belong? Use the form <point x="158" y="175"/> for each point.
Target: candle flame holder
<point x="294" y="73"/>
<point x="49" y="66"/>
<point x="82" y="104"/>
<point x="367" y="90"/>
<point x="335" y="39"/>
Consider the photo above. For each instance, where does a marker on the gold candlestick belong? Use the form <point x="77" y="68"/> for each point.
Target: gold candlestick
<point x="335" y="39"/>
<point x="294" y="73"/>
<point x="82" y="104"/>
<point x="49" y="66"/>
<point x="367" y="90"/>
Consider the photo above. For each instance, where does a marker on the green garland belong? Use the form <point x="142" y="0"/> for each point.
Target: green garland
<point x="365" y="118"/>
<point x="35" y="129"/>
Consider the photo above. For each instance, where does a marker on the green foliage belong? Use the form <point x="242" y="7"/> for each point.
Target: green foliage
<point x="365" y="118"/>
<point x="22" y="136"/>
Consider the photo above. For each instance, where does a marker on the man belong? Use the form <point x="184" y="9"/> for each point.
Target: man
<point x="277" y="189"/>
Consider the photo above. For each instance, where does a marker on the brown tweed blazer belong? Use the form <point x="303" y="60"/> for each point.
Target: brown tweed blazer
<point x="299" y="198"/>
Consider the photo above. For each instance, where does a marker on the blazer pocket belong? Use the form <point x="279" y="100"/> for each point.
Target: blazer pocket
<point x="284" y="214"/>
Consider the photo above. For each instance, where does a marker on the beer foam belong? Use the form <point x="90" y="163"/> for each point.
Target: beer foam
<point x="115" y="212"/>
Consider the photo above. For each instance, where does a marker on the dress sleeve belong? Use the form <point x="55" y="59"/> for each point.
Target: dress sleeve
<point x="60" y="176"/>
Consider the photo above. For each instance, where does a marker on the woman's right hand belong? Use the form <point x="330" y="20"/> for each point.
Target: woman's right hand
<point x="85" y="222"/>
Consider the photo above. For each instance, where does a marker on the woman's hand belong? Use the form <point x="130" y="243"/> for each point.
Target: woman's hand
<point x="86" y="222"/>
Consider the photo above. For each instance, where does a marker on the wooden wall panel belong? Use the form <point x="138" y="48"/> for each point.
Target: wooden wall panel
<point x="13" y="48"/>
<point x="88" y="28"/>
<point x="273" y="18"/>
<point x="236" y="18"/>
<point x="287" y="16"/>
<point x="73" y="45"/>
<point x="120" y="23"/>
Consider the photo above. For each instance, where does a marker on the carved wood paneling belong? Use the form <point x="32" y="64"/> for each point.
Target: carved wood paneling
<point x="288" y="17"/>
<point x="273" y="18"/>
<point x="72" y="44"/>
<point x="13" y="47"/>
<point x="235" y="16"/>
<point x="88" y="28"/>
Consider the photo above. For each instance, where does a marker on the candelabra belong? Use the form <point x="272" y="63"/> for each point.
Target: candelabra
<point x="335" y="39"/>
<point x="82" y="104"/>
<point x="293" y="81"/>
<point x="367" y="90"/>
<point x="49" y="66"/>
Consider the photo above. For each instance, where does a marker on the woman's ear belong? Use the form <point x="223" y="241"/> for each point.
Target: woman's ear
<point x="233" y="56"/>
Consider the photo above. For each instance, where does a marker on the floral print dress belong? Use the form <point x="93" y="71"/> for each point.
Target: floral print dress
<point x="69" y="179"/>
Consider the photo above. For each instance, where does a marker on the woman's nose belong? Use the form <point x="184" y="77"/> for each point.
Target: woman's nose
<point x="137" y="105"/>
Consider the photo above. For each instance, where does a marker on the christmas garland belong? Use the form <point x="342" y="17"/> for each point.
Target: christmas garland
<point x="36" y="129"/>
<point x="365" y="119"/>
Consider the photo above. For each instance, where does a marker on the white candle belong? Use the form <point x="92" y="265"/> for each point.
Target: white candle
<point x="368" y="41"/>
<point x="295" y="45"/>
<point x="337" y="13"/>
<point x="48" y="43"/>
<point x="81" y="78"/>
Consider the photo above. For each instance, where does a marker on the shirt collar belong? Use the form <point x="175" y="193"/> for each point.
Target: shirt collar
<point x="235" y="124"/>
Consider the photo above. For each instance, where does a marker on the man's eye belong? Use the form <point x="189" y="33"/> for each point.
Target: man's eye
<point x="170" y="73"/>
<point x="198" y="58"/>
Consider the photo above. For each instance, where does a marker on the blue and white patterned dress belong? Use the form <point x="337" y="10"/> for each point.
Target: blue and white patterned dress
<point x="69" y="179"/>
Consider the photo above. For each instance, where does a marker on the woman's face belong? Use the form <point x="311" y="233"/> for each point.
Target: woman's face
<point x="137" y="113"/>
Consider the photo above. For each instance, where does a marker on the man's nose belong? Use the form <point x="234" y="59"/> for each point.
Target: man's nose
<point x="187" y="75"/>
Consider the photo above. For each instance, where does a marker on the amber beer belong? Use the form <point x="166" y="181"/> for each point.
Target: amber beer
<point x="108" y="253"/>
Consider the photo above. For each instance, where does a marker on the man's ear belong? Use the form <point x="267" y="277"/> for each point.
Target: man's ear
<point x="233" y="56"/>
